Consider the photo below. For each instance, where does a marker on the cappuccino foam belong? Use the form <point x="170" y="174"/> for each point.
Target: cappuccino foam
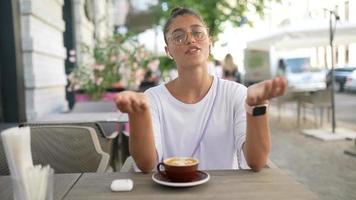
<point x="181" y="161"/>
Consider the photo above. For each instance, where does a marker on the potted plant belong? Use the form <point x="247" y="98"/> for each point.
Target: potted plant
<point x="112" y="65"/>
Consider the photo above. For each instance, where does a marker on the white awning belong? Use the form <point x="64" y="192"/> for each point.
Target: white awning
<point x="304" y="35"/>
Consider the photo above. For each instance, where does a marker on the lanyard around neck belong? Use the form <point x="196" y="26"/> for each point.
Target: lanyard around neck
<point x="208" y="119"/>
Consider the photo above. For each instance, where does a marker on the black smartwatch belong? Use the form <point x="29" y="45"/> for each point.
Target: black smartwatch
<point x="256" y="110"/>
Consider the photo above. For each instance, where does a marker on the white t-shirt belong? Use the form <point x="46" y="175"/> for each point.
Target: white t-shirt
<point x="178" y="126"/>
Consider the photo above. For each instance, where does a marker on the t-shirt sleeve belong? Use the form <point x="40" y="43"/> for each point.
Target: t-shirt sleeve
<point x="153" y="102"/>
<point x="240" y="124"/>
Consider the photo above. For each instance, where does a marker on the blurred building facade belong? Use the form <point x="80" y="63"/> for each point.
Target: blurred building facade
<point x="304" y="25"/>
<point x="43" y="53"/>
<point x="51" y="33"/>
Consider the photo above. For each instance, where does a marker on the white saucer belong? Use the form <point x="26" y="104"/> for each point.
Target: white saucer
<point x="203" y="177"/>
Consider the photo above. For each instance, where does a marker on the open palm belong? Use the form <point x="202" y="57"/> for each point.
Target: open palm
<point x="261" y="92"/>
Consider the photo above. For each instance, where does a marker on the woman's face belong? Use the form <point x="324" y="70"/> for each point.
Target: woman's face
<point x="188" y="41"/>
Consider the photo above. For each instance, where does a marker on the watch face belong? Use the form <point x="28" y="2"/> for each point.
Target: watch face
<point x="261" y="110"/>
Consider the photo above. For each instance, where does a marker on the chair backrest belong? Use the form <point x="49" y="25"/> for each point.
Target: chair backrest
<point x="286" y="98"/>
<point x="321" y="98"/>
<point x="107" y="132"/>
<point x="67" y="149"/>
<point x="103" y="134"/>
<point x="4" y="169"/>
<point x="128" y="165"/>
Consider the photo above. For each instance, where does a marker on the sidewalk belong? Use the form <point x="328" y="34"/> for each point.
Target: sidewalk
<point x="322" y="167"/>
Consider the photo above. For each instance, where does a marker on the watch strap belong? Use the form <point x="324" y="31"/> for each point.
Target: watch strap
<point x="256" y="110"/>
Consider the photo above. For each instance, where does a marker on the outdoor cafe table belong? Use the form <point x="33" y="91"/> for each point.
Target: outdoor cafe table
<point x="88" y="112"/>
<point x="86" y="117"/>
<point x="230" y="184"/>
<point x="62" y="184"/>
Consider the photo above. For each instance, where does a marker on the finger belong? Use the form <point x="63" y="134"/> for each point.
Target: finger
<point x="135" y="104"/>
<point x="281" y="85"/>
<point x="125" y="101"/>
<point x="128" y="106"/>
<point x="121" y="105"/>
<point x="117" y="99"/>
<point x="143" y="104"/>
<point x="118" y="102"/>
<point x="268" y="88"/>
<point x="250" y="99"/>
<point x="125" y="105"/>
<point x="275" y="88"/>
<point x="256" y="93"/>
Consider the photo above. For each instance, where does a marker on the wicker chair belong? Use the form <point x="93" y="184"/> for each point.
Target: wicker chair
<point x="319" y="100"/>
<point x="107" y="134"/>
<point x="67" y="149"/>
<point x="287" y="98"/>
<point x="4" y="169"/>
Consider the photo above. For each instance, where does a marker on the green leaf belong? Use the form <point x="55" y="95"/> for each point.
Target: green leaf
<point x="214" y="12"/>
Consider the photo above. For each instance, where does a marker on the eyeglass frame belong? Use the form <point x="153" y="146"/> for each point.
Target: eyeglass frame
<point x="206" y="34"/>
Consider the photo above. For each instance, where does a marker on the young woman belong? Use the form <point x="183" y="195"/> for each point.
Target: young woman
<point x="220" y="122"/>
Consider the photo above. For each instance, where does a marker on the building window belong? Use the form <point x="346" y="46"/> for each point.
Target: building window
<point x="347" y="54"/>
<point x="347" y="11"/>
<point x="337" y="10"/>
<point x="325" y="14"/>
<point x="336" y="55"/>
<point x="326" y="56"/>
<point x="321" y="54"/>
<point x="317" y="56"/>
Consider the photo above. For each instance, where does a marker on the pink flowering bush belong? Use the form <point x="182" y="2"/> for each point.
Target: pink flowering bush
<point x="120" y="58"/>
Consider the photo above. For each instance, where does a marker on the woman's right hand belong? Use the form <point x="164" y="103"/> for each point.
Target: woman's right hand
<point x="131" y="102"/>
<point x="141" y="142"/>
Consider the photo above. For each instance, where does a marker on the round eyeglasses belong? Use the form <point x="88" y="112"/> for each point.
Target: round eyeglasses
<point x="180" y="37"/>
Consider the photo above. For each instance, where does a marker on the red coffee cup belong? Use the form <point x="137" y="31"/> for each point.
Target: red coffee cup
<point x="179" y="169"/>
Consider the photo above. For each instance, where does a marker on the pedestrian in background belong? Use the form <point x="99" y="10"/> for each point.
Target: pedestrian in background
<point x="230" y="69"/>
<point x="215" y="69"/>
<point x="148" y="81"/>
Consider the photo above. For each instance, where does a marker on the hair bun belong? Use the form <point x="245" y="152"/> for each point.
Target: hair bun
<point x="176" y="10"/>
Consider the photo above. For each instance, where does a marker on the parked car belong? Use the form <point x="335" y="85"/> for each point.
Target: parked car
<point x="306" y="80"/>
<point x="350" y="84"/>
<point x="340" y="75"/>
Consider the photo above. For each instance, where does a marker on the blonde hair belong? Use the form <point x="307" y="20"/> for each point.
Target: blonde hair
<point x="229" y="64"/>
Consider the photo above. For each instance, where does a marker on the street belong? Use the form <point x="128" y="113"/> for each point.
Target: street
<point x="345" y="107"/>
<point x="322" y="167"/>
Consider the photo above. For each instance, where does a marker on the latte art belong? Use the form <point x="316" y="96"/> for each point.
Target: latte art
<point x="181" y="161"/>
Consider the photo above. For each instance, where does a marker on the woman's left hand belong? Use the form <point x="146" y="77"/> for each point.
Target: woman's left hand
<point x="259" y="93"/>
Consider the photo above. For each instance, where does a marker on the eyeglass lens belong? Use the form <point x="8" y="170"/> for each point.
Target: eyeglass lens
<point x="181" y="37"/>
